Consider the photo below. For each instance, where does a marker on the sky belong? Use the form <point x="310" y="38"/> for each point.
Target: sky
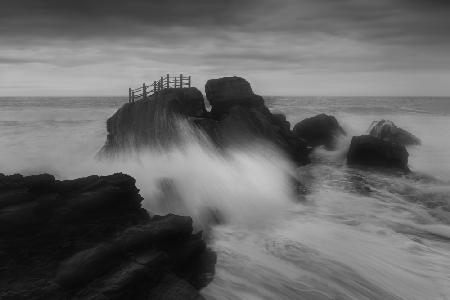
<point x="282" y="47"/>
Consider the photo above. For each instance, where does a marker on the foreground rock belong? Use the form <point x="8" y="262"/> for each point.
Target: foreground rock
<point x="388" y="131"/>
<point x="89" y="238"/>
<point x="320" y="130"/>
<point x="367" y="150"/>
<point x="238" y="117"/>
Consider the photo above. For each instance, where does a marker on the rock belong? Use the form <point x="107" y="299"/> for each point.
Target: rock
<point x="281" y="121"/>
<point x="226" y="92"/>
<point x="319" y="130"/>
<point x="367" y="150"/>
<point x="238" y="117"/>
<point x="243" y="126"/>
<point x="89" y="238"/>
<point x="152" y="121"/>
<point x="85" y="265"/>
<point x="388" y="131"/>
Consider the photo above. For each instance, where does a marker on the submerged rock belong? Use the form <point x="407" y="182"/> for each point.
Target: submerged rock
<point x="367" y="150"/>
<point x="89" y="238"/>
<point x="319" y="130"/>
<point x="388" y="131"/>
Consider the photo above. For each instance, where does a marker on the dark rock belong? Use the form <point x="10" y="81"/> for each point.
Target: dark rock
<point x="388" y="131"/>
<point x="237" y="117"/>
<point x="226" y="92"/>
<point x="367" y="150"/>
<point x="246" y="126"/>
<point x="15" y="197"/>
<point x="89" y="238"/>
<point x="280" y="120"/>
<point x="152" y="121"/>
<point x="85" y="265"/>
<point x="319" y="130"/>
<point x="172" y="288"/>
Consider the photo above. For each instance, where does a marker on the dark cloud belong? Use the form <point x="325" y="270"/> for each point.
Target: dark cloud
<point x="420" y="19"/>
<point x="223" y="36"/>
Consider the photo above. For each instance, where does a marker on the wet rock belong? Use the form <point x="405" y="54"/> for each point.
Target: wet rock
<point x="319" y="130"/>
<point x="152" y="121"/>
<point x="280" y="120"/>
<point x="388" y="131"/>
<point x="90" y="238"/>
<point x="367" y="150"/>
<point x="172" y="288"/>
<point x="226" y="92"/>
<point x="85" y="265"/>
<point x="237" y="117"/>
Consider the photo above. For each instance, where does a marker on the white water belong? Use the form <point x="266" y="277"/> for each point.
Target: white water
<point x="357" y="235"/>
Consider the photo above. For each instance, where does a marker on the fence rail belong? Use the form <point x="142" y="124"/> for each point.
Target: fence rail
<point x="165" y="82"/>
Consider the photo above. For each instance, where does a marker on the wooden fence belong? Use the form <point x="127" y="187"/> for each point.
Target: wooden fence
<point x="165" y="82"/>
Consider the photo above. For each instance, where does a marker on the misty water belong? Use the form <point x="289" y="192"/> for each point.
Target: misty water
<point x="357" y="234"/>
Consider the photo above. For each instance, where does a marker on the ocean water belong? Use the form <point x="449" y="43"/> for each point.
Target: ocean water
<point x="357" y="234"/>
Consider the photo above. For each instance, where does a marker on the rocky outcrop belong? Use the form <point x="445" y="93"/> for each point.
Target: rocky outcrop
<point x="319" y="130"/>
<point x="90" y="238"/>
<point x="226" y="92"/>
<point x="150" y="122"/>
<point x="367" y="150"/>
<point x="237" y="117"/>
<point x="388" y="131"/>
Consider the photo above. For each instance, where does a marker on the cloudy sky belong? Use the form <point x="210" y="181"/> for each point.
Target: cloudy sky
<point x="283" y="47"/>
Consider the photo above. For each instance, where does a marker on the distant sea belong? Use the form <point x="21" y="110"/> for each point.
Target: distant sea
<point x="357" y="234"/>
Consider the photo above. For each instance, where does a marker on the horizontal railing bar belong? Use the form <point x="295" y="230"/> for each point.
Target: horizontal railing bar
<point x="164" y="82"/>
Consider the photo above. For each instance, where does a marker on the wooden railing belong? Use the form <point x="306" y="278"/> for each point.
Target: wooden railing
<point x="165" y="82"/>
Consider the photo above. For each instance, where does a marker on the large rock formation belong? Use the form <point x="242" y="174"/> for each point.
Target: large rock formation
<point x="237" y="117"/>
<point x="388" y="131"/>
<point x="89" y="238"/>
<point x="319" y="130"/>
<point x="367" y="150"/>
<point x="150" y="122"/>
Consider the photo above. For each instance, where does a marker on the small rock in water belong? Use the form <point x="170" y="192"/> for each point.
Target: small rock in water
<point x="367" y="150"/>
<point x="319" y="130"/>
<point x="388" y="131"/>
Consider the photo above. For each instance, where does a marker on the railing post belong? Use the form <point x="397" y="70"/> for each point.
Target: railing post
<point x="189" y="81"/>
<point x="175" y="81"/>
<point x="132" y="96"/>
<point x="168" y="81"/>
<point x="161" y="84"/>
<point x="129" y="95"/>
<point x="181" y="80"/>
<point x="144" y="91"/>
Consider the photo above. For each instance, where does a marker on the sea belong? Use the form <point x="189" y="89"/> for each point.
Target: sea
<point x="355" y="234"/>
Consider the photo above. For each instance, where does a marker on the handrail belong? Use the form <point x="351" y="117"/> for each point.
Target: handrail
<point x="165" y="82"/>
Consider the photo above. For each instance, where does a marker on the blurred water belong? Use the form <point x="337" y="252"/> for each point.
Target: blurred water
<point x="356" y="235"/>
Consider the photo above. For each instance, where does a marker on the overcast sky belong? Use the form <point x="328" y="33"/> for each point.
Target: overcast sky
<point x="283" y="47"/>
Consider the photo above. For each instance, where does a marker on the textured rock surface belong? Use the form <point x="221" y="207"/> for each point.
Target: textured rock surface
<point x="388" y="131"/>
<point x="319" y="130"/>
<point x="226" y="92"/>
<point x="89" y="238"/>
<point x="237" y="117"/>
<point x="367" y="150"/>
<point x="150" y="122"/>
